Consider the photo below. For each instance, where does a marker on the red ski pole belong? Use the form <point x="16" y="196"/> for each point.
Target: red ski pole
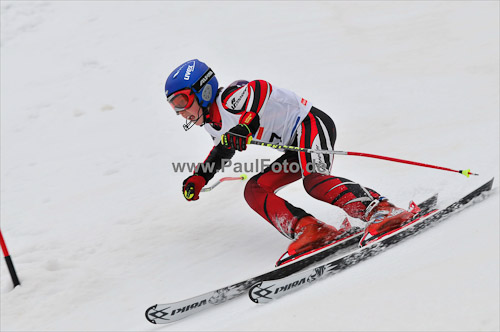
<point x="241" y="177"/>
<point x="465" y="172"/>
<point x="8" y="260"/>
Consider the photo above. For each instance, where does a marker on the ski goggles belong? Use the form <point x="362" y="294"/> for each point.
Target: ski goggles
<point x="181" y="100"/>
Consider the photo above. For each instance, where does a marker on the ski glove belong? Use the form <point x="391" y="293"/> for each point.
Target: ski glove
<point x="237" y="137"/>
<point x="240" y="135"/>
<point x="192" y="186"/>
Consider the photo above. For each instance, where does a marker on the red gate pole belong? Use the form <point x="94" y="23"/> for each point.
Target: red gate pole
<point x="8" y="260"/>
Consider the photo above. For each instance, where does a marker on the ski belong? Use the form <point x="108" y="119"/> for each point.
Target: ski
<point x="171" y="312"/>
<point x="266" y="291"/>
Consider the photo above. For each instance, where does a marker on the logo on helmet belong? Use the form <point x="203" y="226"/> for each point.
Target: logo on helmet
<point x="177" y="72"/>
<point x="189" y="70"/>
<point x="203" y="80"/>
<point x="208" y="75"/>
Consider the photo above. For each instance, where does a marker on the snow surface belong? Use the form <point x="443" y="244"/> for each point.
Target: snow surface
<point x="92" y="211"/>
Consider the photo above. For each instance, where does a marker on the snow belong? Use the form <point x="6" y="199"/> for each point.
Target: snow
<point x="92" y="211"/>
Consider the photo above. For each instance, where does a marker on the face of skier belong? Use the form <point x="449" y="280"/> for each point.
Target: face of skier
<point x="193" y="114"/>
<point x="185" y="104"/>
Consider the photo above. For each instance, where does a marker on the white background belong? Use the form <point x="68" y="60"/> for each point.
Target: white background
<point x="92" y="211"/>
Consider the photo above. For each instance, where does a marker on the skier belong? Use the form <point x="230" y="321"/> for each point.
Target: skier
<point x="276" y="115"/>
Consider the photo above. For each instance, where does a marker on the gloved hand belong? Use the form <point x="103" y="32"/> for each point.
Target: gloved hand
<point x="192" y="186"/>
<point x="236" y="137"/>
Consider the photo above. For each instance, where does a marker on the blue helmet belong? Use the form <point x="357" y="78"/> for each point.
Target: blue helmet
<point x="196" y="76"/>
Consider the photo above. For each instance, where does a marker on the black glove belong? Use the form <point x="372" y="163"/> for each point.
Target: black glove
<point x="239" y="136"/>
<point x="236" y="137"/>
<point x="192" y="186"/>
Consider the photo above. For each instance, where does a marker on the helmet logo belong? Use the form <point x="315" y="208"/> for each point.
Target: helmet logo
<point x="203" y="80"/>
<point x="206" y="77"/>
<point x="189" y="70"/>
<point x="177" y="73"/>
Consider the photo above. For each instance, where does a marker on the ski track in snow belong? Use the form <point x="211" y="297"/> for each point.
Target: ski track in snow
<point x="91" y="209"/>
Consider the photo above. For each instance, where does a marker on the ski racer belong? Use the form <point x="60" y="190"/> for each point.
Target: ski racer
<point x="275" y="115"/>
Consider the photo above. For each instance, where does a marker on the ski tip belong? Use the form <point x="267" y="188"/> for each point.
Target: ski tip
<point x="152" y="321"/>
<point x="468" y="173"/>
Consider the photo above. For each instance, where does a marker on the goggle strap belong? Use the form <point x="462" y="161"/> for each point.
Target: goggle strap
<point x="203" y="80"/>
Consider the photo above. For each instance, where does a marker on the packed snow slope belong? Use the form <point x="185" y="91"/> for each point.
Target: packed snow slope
<point x="92" y="210"/>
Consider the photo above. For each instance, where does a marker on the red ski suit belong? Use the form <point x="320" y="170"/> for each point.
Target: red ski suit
<point x="288" y="119"/>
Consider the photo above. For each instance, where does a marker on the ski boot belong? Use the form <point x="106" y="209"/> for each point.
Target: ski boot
<point x="311" y="234"/>
<point x="383" y="217"/>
